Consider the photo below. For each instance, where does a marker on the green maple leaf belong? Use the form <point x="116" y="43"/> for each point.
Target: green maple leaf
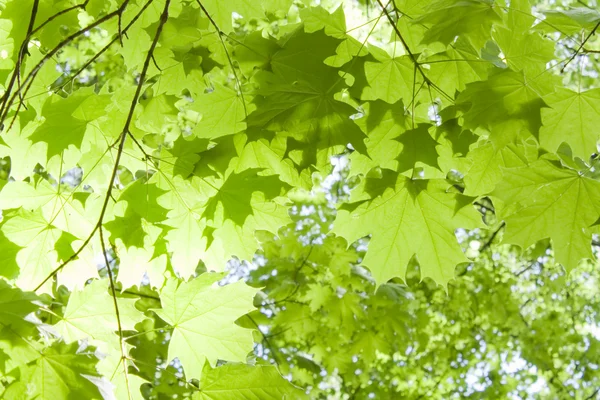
<point x="182" y="157"/>
<point x="545" y="200"/>
<point x="62" y="372"/>
<point x="63" y="209"/>
<point x="253" y="52"/>
<point x="65" y="121"/>
<point x="447" y="19"/>
<point x="135" y="263"/>
<point x="390" y="79"/>
<point x="128" y="227"/>
<point x="454" y="68"/>
<point x="135" y="46"/>
<point x="8" y="257"/>
<point x="504" y="95"/>
<point x="418" y="147"/>
<point x="489" y="162"/>
<point x="384" y="123"/>
<point x="317" y="18"/>
<point x="459" y="140"/>
<point x="235" y="199"/>
<point x="141" y="199"/>
<point x="184" y="199"/>
<point x="297" y="100"/>
<point x="241" y="381"/>
<point x="202" y="314"/>
<point x="159" y="112"/>
<point x="90" y="314"/>
<point x="15" y="18"/>
<point x="15" y="305"/>
<point x="223" y="112"/>
<point x="221" y="11"/>
<point x="242" y="204"/>
<point x="569" y="22"/>
<point x="37" y="239"/>
<point x="522" y="49"/>
<point x="24" y="155"/>
<point x="573" y="118"/>
<point x="269" y="157"/>
<point x="485" y="171"/>
<point x="416" y="217"/>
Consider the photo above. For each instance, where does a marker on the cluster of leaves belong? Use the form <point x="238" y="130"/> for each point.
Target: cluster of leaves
<point x="147" y="142"/>
<point x="511" y="325"/>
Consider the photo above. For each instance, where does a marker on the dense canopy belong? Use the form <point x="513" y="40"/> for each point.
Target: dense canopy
<point x="289" y="199"/>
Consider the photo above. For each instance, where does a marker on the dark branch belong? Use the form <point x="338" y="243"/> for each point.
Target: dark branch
<point x="491" y="239"/>
<point x="580" y="47"/>
<point x="16" y="76"/>
<point x="36" y="69"/>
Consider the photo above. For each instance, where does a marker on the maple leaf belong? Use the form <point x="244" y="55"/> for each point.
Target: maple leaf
<point x="298" y="99"/>
<point x="390" y="78"/>
<point x="222" y="12"/>
<point x="60" y="372"/>
<point x="37" y="238"/>
<point x="418" y="147"/>
<point x="137" y="263"/>
<point x="415" y="217"/>
<point x="317" y="18"/>
<point x="222" y="110"/>
<point x="453" y="69"/>
<point x="180" y="137"/>
<point x="90" y="314"/>
<point x="504" y="95"/>
<point x="545" y="200"/>
<point x="384" y="123"/>
<point x="490" y="161"/>
<point x="447" y="19"/>
<point x="16" y="305"/>
<point x="573" y="117"/>
<point x="60" y="117"/>
<point x="569" y="22"/>
<point x="198" y="309"/>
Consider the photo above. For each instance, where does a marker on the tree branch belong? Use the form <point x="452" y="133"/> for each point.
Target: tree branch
<point x="491" y="239"/>
<point x="36" y="69"/>
<point x="105" y="48"/>
<point x="580" y="47"/>
<point x="16" y="76"/>
<point x="163" y="19"/>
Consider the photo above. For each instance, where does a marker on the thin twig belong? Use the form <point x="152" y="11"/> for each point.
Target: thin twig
<point x="35" y="70"/>
<point x="580" y="47"/>
<point x="109" y="194"/>
<point x="16" y="76"/>
<point x="142" y="78"/>
<point x="121" y="141"/>
<point x="106" y="47"/>
<point x="491" y="239"/>
<point x="58" y="14"/>
<point x="111" y="281"/>
<point x="591" y="396"/>
<point x="146" y="296"/>
<point x="304" y="261"/>
<point x="265" y="338"/>
<point x="221" y="34"/>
